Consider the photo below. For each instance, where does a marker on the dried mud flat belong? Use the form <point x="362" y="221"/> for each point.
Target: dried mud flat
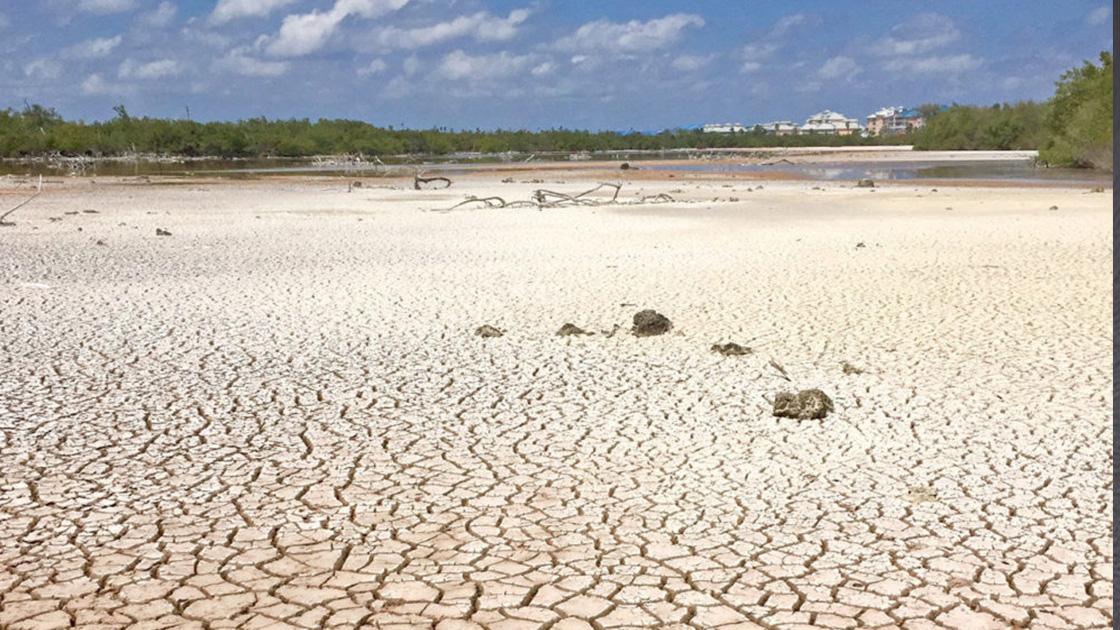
<point x="280" y="415"/>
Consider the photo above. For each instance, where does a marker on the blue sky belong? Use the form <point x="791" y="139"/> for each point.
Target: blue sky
<point x="621" y="64"/>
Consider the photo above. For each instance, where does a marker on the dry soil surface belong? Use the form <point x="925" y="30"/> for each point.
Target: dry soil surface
<point x="280" y="415"/>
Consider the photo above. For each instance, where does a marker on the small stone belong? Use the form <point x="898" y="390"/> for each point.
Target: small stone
<point x="568" y="330"/>
<point x="809" y="404"/>
<point x="486" y="331"/>
<point x="731" y="349"/>
<point x="649" y="322"/>
<point x="162" y="232"/>
<point x="1053" y="207"/>
<point x="848" y="368"/>
<point x="625" y="166"/>
<point x="1098" y="189"/>
<point x="861" y="245"/>
<point x="101" y="243"/>
<point x="865" y="183"/>
<point x="921" y="494"/>
<point x="356" y="184"/>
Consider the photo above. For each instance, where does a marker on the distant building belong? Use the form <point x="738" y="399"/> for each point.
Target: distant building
<point x="780" y="128"/>
<point x="894" y="120"/>
<point x="723" y="128"/>
<point x="830" y="123"/>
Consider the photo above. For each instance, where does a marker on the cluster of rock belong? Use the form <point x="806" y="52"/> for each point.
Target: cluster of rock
<point x="809" y="404"/>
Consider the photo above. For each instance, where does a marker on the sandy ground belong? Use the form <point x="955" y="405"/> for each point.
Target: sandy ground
<point x="280" y="416"/>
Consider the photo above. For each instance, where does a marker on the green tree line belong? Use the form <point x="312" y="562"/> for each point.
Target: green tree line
<point x="1074" y="128"/>
<point x="37" y="130"/>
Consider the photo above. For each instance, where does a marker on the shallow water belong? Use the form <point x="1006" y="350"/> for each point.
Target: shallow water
<point x="970" y="170"/>
<point x="976" y="170"/>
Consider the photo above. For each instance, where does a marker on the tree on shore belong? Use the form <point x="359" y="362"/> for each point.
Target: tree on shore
<point x="1079" y="121"/>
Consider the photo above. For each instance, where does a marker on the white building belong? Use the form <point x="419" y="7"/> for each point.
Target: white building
<point x="724" y="128"/>
<point x="830" y="123"/>
<point x="780" y="128"/>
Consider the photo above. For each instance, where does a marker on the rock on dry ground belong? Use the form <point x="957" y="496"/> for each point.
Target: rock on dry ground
<point x="285" y="421"/>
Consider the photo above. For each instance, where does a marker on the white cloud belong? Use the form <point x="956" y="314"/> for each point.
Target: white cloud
<point x="950" y="64"/>
<point x="92" y="48"/>
<point x="839" y="67"/>
<point x="303" y="34"/>
<point x="159" y="69"/>
<point x="482" y="26"/>
<point x="376" y="66"/>
<point x="630" y="37"/>
<point x="238" y="61"/>
<point x="95" y="84"/>
<point x="691" y="63"/>
<point x="159" y="17"/>
<point x="228" y="10"/>
<point x="106" y="6"/>
<point x="44" y="68"/>
<point x="459" y="65"/>
<point x="543" y="69"/>
<point x="920" y="34"/>
<point x="1099" y="15"/>
<point x="411" y="65"/>
<point x="790" y="22"/>
<point x="756" y="53"/>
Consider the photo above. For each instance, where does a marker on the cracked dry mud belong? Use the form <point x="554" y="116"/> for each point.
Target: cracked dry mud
<point x="283" y="421"/>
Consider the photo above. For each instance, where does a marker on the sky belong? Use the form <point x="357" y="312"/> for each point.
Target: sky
<point x="532" y="64"/>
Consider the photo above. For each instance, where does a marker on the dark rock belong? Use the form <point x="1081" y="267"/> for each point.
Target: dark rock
<point x="865" y="183"/>
<point x="860" y="245"/>
<point x="568" y="330"/>
<point x="162" y="232"/>
<point x="624" y="166"/>
<point x="648" y="323"/>
<point x="101" y="243"/>
<point x="90" y="211"/>
<point x="1053" y="207"/>
<point x="809" y="404"/>
<point x="356" y="185"/>
<point x="487" y="331"/>
<point x="731" y="349"/>
<point x="850" y="369"/>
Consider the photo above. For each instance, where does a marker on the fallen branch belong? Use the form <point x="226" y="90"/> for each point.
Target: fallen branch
<point x="38" y="192"/>
<point x="417" y="180"/>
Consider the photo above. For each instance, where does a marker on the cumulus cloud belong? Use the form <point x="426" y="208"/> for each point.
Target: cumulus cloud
<point x="691" y="63"/>
<point x="159" y="17"/>
<point x="459" y="65"/>
<point x="1099" y="15"/>
<point x="304" y="33"/>
<point x="839" y="67"/>
<point x="228" y="10"/>
<point x="106" y="6"/>
<point x="239" y="61"/>
<point x="920" y="34"/>
<point x="629" y="37"/>
<point x="44" y="68"/>
<point x="481" y="26"/>
<point x="376" y="66"/>
<point x="159" y="69"/>
<point x="949" y="64"/>
<point x="756" y="53"/>
<point x="95" y="85"/>
<point x="92" y="48"/>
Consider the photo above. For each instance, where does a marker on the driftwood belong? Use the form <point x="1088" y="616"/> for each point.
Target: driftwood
<point x="417" y="180"/>
<point x="38" y="191"/>
<point x="542" y="199"/>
